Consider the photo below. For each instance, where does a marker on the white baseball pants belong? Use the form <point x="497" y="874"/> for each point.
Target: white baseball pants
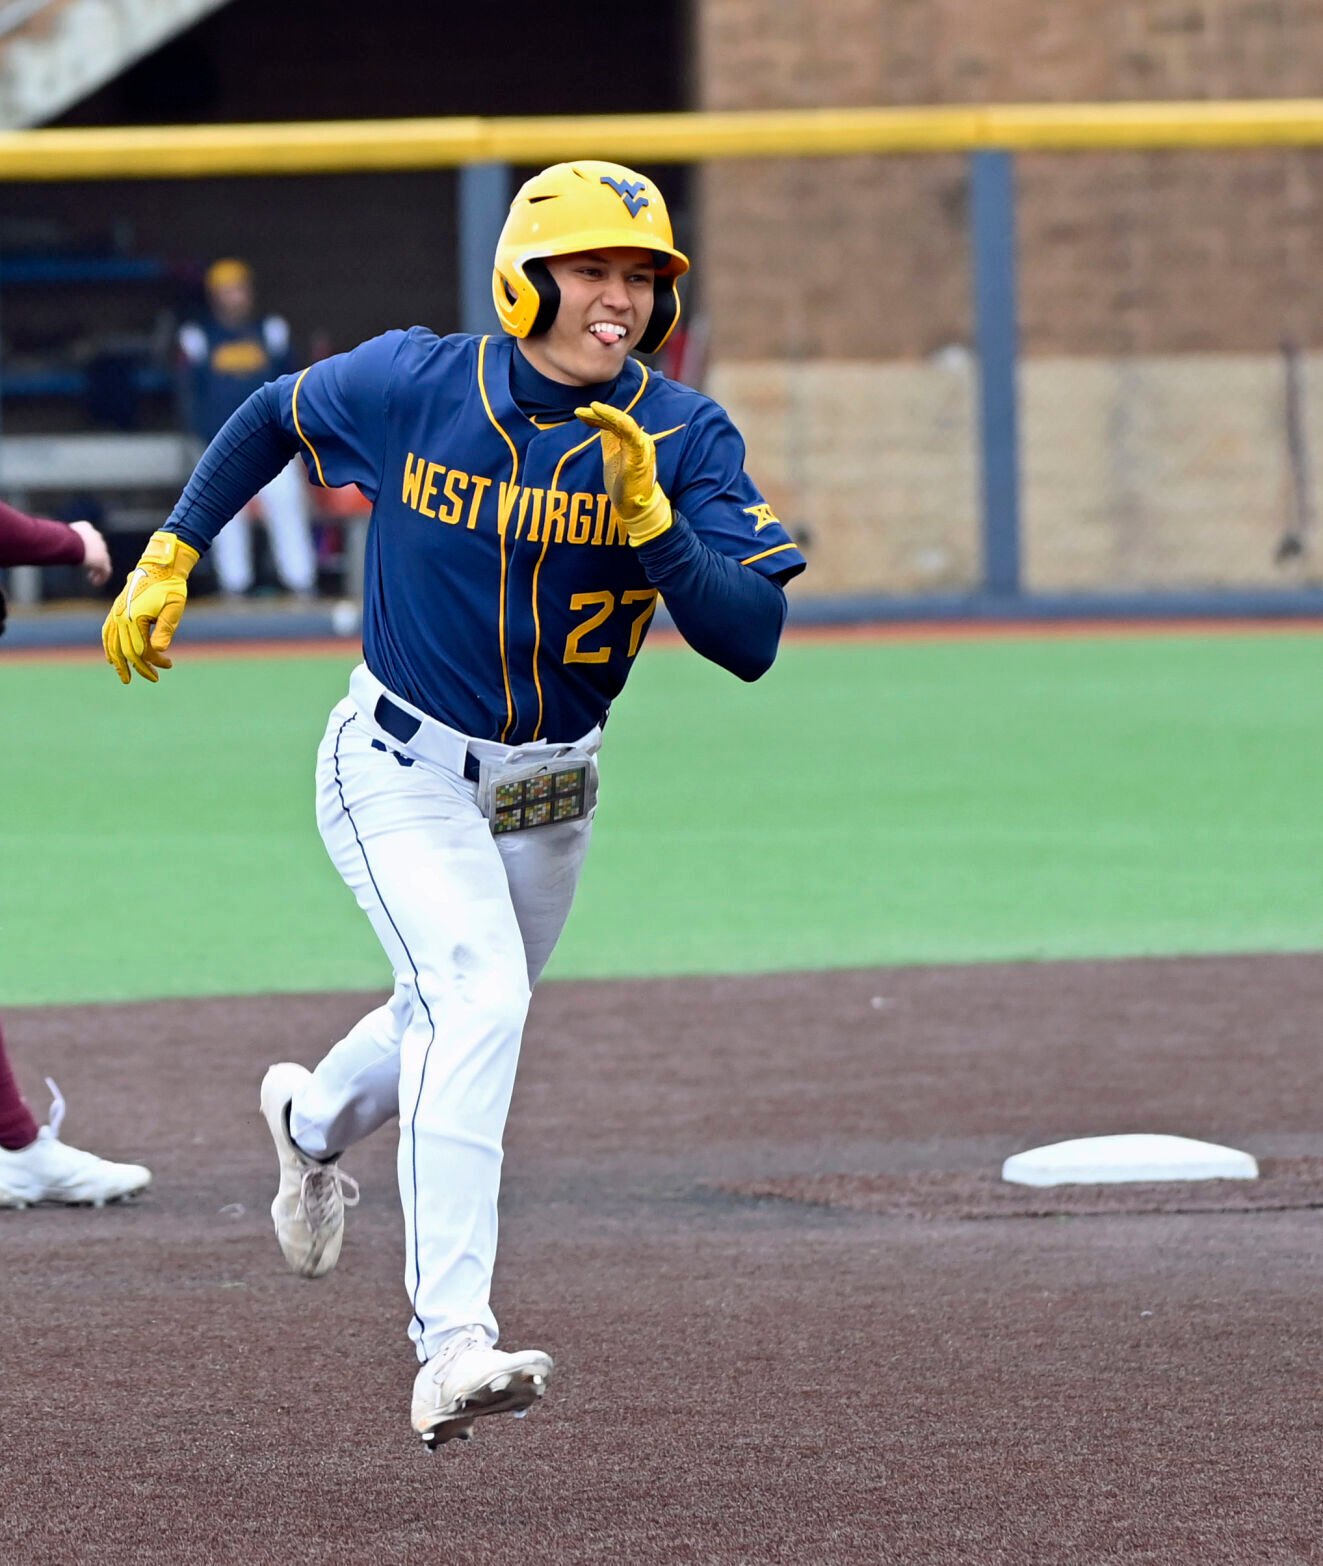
<point x="285" y="507"/>
<point x="468" y="921"/>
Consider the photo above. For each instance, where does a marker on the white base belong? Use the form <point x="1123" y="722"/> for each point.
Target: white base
<point x="1108" y="1160"/>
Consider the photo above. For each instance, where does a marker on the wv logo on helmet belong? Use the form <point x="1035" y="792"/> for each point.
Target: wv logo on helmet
<point x="630" y="192"/>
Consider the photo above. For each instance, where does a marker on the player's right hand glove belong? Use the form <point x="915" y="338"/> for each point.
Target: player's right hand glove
<point x="629" y="464"/>
<point x="145" y="616"/>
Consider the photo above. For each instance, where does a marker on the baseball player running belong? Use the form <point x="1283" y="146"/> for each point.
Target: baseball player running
<point x="35" y="1165"/>
<point x="534" y="493"/>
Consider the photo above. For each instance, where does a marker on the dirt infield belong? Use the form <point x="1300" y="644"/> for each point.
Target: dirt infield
<point x="828" y="1373"/>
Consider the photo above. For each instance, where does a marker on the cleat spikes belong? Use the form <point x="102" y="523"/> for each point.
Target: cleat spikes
<point x="459" y="1431"/>
<point x="469" y="1380"/>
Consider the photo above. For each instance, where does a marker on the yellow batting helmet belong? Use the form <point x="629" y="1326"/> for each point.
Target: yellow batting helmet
<point x="223" y="273"/>
<point x="582" y="206"/>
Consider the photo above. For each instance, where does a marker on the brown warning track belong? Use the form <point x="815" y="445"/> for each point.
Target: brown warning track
<point x="755" y="1364"/>
<point x="927" y="631"/>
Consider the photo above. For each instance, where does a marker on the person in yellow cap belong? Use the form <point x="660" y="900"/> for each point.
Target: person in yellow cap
<point x="227" y="355"/>
<point x="535" y="492"/>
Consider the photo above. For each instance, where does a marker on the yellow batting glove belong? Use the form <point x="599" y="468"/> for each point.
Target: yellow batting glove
<point x="145" y="616"/>
<point x="629" y="461"/>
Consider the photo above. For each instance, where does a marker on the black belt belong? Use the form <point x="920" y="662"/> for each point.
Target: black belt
<point x="403" y="726"/>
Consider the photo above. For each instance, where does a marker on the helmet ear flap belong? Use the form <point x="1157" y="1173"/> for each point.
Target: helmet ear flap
<point x="548" y="296"/>
<point x="665" y="313"/>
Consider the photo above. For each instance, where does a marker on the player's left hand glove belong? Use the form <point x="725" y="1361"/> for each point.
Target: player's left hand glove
<point x="146" y="615"/>
<point x="629" y="461"/>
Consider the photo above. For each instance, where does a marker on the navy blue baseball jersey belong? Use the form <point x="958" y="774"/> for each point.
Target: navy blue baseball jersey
<point x="226" y="364"/>
<point x="501" y="594"/>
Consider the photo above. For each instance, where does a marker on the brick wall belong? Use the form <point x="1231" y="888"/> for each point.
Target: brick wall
<point x="1120" y="252"/>
<point x="1153" y="471"/>
<point x="1155" y="291"/>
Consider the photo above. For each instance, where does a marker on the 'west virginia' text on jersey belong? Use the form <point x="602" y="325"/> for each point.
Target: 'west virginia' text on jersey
<point x="501" y="594"/>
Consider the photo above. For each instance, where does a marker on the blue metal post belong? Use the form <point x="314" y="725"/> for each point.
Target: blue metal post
<point x="996" y="333"/>
<point x="484" y="199"/>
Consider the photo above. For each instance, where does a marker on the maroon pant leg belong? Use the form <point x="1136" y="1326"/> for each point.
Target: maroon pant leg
<point x="17" y="1127"/>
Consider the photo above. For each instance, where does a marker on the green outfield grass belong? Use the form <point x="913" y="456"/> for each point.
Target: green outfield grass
<point x="866" y="803"/>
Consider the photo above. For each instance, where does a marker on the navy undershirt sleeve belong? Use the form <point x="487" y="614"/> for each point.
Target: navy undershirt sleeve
<point x="724" y="610"/>
<point x="249" y="450"/>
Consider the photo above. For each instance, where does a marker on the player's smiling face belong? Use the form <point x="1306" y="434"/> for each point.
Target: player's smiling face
<point x="606" y="301"/>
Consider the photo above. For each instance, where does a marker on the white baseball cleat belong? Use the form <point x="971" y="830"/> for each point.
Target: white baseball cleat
<point x="49" y="1170"/>
<point x="467" y="1379"/>
<point x="309" y="1209"/>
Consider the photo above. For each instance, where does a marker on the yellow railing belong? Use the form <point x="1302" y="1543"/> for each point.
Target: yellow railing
<point x="335" y="146"/>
